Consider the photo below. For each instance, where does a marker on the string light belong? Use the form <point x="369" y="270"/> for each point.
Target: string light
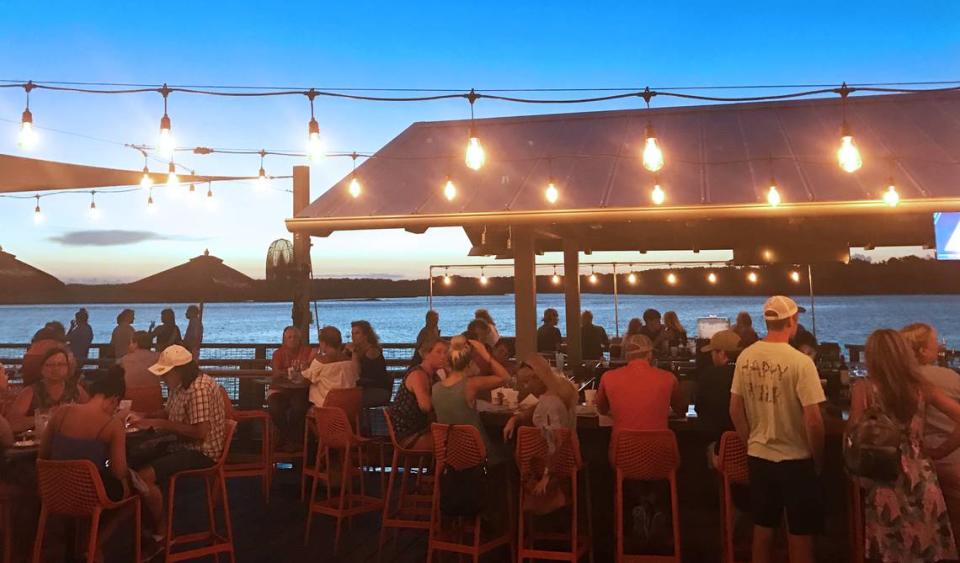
<point x="94" y="212"/>
<point x="752" y="277"/>
<point x="475" y="156"/>
<point x="355" y="188"/>
<point x="795" y="276"/>
<point x="712" y="278"/>
<point x="773" y="195"/>
<point x="848" y="156"/>
<point x="672" y="278"/>
<point x="37" y="214"/>
<point x="146" y="181"/>
<point x="165" y="144"/>
<point x="449" y="190"/>
<point x="173" y="180"/>
<point x="658" y="196"/>
<point x="262" y="181"/>
<point x="593" y="276"/>
<point x="551" y="193"/>
<point x="652" y="155"/>
<point x="314" y="143"/>
<point x="151" y="208"/>
<point x="483" y="277"/>
<point x="446" y="278"/>
<point x="891" y="197"/>
<point x="632" y="278"/>
<point x="27" y="138"/>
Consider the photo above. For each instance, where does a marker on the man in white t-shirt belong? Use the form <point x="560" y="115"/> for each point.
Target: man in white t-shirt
<point x="775" y="407"/>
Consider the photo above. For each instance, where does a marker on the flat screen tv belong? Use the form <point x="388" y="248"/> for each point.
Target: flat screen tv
<point x="946" y="227"/>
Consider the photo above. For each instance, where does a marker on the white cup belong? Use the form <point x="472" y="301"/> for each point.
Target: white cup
<point x="125" y="405"/>
<point x="590" y="396"/>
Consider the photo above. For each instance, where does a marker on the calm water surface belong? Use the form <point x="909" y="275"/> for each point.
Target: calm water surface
<point x="840" y="319"/>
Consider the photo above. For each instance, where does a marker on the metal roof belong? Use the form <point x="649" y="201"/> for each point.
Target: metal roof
<point x="718" y="164"/>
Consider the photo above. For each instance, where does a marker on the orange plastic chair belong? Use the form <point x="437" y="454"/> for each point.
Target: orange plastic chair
<point x="566" y="464"/>
<point x="732" y="466"/>
<point x="74" y="488"/>
<point x="215" y="484"/>
<point x="461" y="447"/>
<point x="336" y="435"/>
<point x="645" y="456"/>
<point x="145" y="399"/>
<point x="259" y="467"/>
<point x="404" y="514"/>
<point x="347" y="399"/>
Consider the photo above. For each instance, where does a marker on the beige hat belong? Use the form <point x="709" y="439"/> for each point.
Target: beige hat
<point x="724" y="341"/>
<point x="171" y="357"/>
<point x="636" y="344"/>
<point x="779" y="307"/>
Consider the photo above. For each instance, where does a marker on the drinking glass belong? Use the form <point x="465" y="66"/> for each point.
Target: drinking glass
<point x="40" y="419"/>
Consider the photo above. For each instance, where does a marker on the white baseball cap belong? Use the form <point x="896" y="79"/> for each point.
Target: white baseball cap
<point x="779" y="307"/>
<point x="171" y="357"/>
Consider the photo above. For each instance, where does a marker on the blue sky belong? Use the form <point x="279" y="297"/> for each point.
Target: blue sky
<point x="395" y="44"/>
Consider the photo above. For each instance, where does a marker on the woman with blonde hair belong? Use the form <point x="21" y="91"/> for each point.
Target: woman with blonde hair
<point x="676" y="334"/>
<point x="922" y="339"/>
<point x="905" y="520"/>
<point x="455" y="397"/>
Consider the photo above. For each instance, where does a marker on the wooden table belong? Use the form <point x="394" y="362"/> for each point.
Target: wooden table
<point x="142" y="447"/>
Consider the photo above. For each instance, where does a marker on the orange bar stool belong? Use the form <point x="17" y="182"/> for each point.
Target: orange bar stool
<point x="215" y="485"/>
<point x="336" y="436"/>
<point x="74" y="488"/>
<point x="565" y="464"/>
<point x="412" y="510"/>
<point x="645" y="456"/>
<point x="238" y="465"/>
<point x="349" y="400"/>
<point x="460" y="447"/>
<point x="732" y="466"/>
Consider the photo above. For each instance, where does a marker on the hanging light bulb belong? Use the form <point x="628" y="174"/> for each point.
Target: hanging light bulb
<point x="165" y="144"/>
<point x="449" y="190"/>
<point x="475" y="156"/>
<point x="712" y="278"/>
<point x="151" y="207"/>
<point x="672" y="278"/>
<point x="652" y="155"/>
<point x="446" y="278"/>
<point x="483" y="277"/>
<point x="354" y="188"/>
<point x="555" y="279"/>
<point x="795" y="276"/>
<point x="146" y="181"/>
<point x="27" y="137"/>
<point x="891" y="197"/>
<point x="314" y="143"/>
<point x="632" y="278"/>
<point x="209" y="202"/>
<point x="37" y="214"/>
<point x="848" y="155"/>
<point x="773" y="196"/>
<point x="593" y="276"/>
<point x="752" y="277"/>
<point x="551" y="193"/>
<point x="173" y="180"/>
<point x="262" y="180"/>
<point x="658" y="196"/>
<point x="94" y="212"/>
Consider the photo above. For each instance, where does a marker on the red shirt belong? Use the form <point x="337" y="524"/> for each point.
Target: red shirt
<point x="639" y="396"/>
<point x="283" y="358"/>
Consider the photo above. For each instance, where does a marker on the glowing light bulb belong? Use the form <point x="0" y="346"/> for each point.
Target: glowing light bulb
<point x="146" y="181"/>
<point x="355" y="187"/>
<point x="712" y="278"/>
<point x="672" y="278"/>
<point x="483" y="279"/>
<point x="551" y="193"/>
<point x="475" y="156"/>
<point x="151" y="207"/>
<point x="94" y="213"/>
<point x="166" y="143"/>
<point x="752" y="277"/>
<point x="891" y="197"/>
<point x="632" y="278"/>
<point x="848" y="155"/>
<point x="449" y="190"/>
<point x="795" y="276"/>
<point x="173" y="180"/>
<point x="27" y="138"/>
<point x="37" y="214"/>
<point x="262" y="180"/>
<point x="314" y="143"/>
<point x="658" y="195"/>
<point x="652" y="155"/>
<point x="773" y="196"/>
<point x="555" y="279"/>
<point x="593" y="278"/>
<point x="447" y="280"/>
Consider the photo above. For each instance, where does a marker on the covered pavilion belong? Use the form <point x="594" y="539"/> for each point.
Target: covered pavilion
<point x="720" y="161"/>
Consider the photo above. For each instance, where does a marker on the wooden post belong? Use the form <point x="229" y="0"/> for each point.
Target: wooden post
<point x="301" y="255"/>
<point x="524" y="290"/>
<point x="571" y="290"/>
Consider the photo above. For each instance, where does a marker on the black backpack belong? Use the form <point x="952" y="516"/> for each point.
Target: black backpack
<point x="872" y="445"/>
<point x="462" y="491"/>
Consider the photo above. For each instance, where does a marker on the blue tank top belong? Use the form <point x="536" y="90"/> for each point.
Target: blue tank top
<point x="65" y="448"/>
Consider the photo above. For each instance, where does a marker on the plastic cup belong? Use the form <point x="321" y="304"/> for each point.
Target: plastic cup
<point x="590" y="396"/>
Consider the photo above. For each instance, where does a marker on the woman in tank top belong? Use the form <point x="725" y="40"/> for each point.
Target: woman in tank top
<point x="411" y="409"/>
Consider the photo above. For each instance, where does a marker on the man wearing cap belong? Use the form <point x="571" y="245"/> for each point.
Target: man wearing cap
<point x="775" y="407"/>
<point x="803" y="337"/>
<point x="194" y="412"/>
<point x="639" y="396"/>
<point x="713" y="388"/>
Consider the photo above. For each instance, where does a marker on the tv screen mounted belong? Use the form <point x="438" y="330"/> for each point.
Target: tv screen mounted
<point x="946" y="227"/>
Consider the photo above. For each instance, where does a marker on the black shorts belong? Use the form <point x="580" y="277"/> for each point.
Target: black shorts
<point x="790" y="485"/>
<point x="176" y="462"/>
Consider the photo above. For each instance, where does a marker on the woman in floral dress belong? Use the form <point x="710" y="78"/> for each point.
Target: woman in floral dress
<point x="905" y="521"/>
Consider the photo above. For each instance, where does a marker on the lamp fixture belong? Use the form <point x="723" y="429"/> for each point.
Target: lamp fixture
<point x="27" y="138"/>
<point x="355" y="187"/>
<point x="166" y="143"/>
<point x="475" y="156"/>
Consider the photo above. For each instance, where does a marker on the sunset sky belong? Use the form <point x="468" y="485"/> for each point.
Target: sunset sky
<point x="456" y="45"/>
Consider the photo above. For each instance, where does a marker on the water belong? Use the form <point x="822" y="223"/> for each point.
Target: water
<point x="843" y="319"/>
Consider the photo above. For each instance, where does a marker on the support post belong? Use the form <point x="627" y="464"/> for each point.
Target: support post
<point x="813" y="303"/>
<point x="571" y="290"/>
<point x="616" y="302"/>
<point x="430" y="297"/>
<point x="525" y="290"/>
<point x="300" y="313"/>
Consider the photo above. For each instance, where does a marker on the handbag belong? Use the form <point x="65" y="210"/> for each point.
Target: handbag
<point x="872" y="446"/>
<point x="462" y="491"/>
